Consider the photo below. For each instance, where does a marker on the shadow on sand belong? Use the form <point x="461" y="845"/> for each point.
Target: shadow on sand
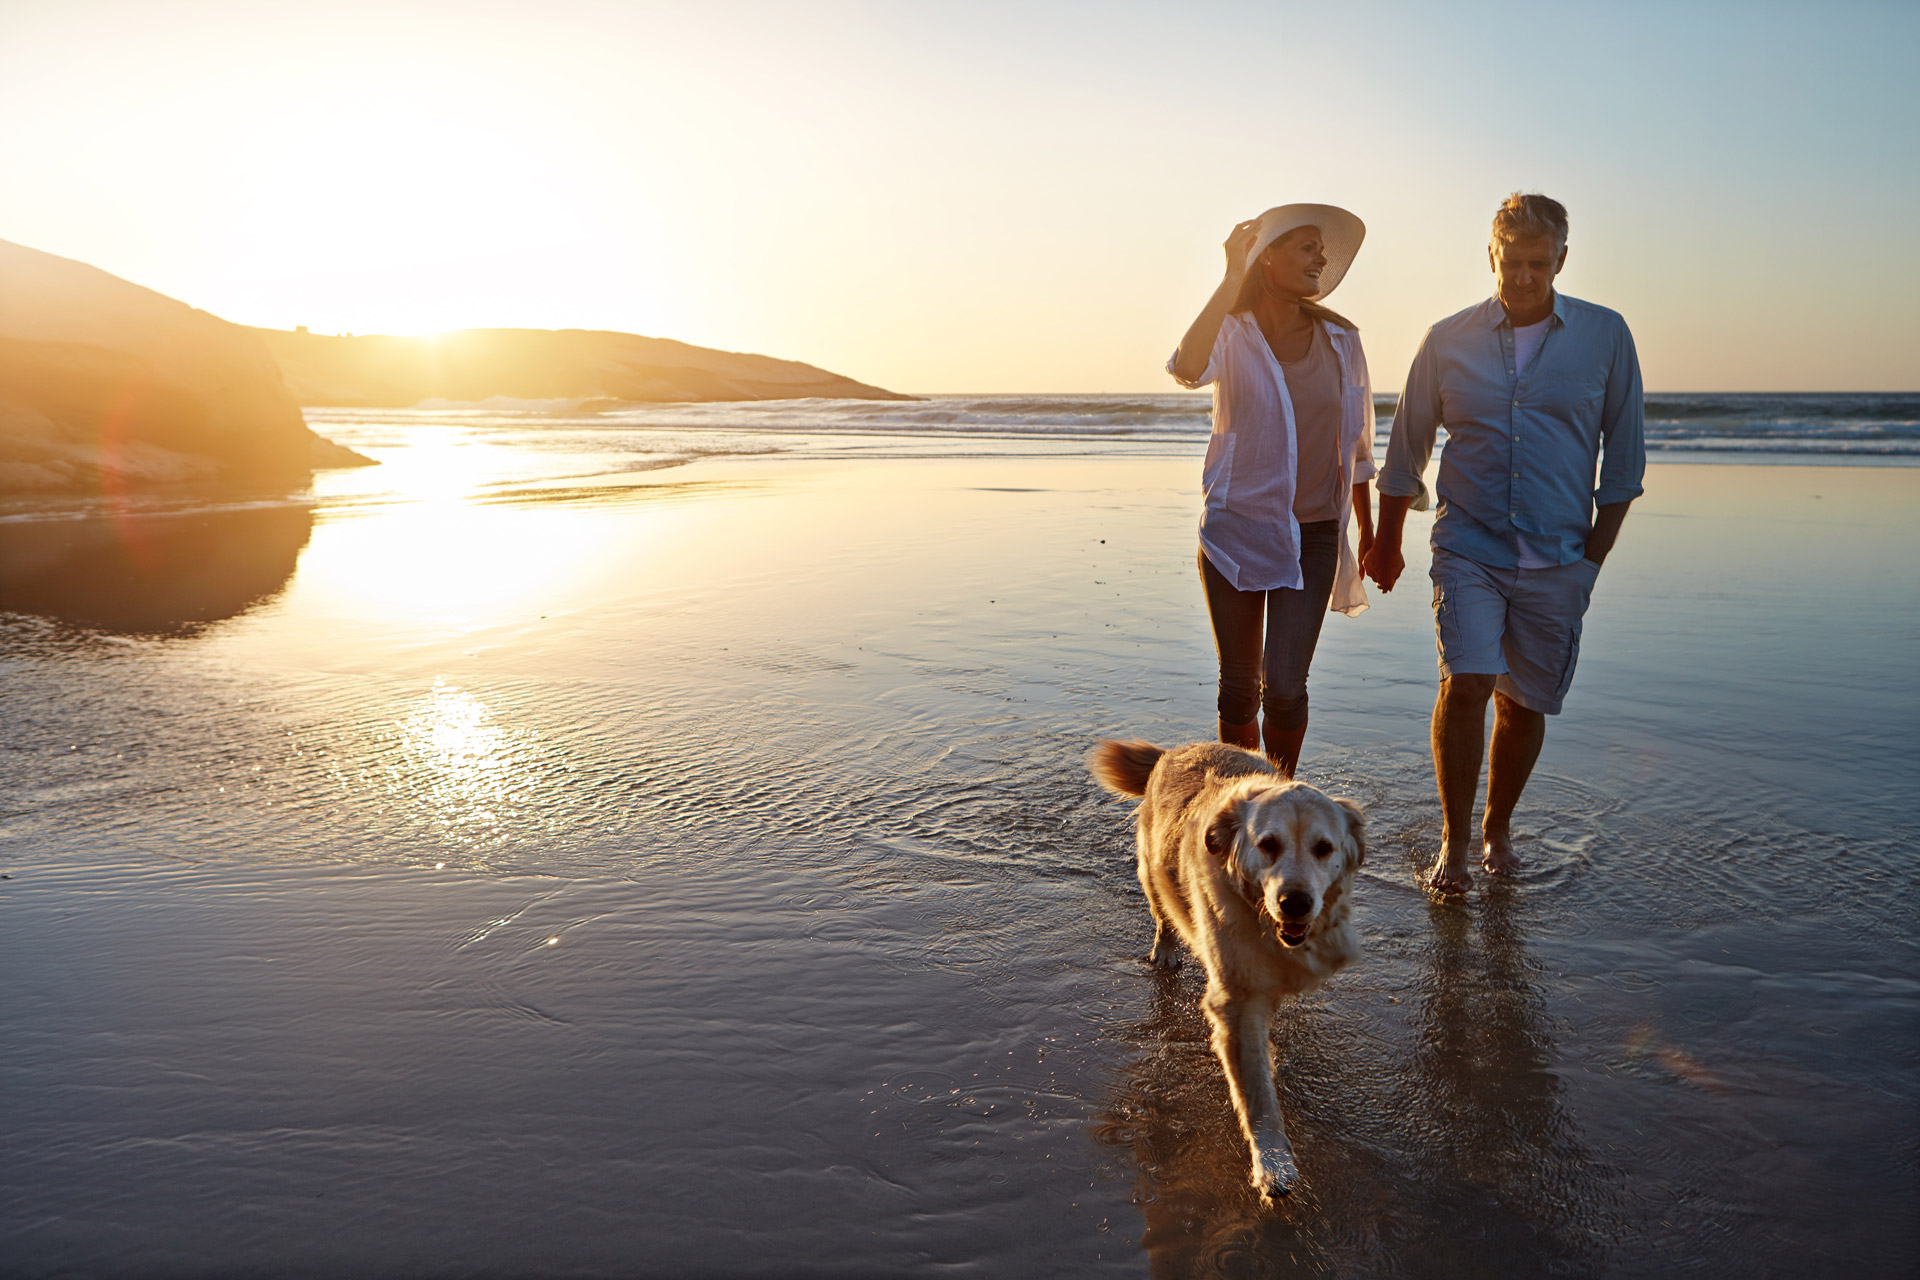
<point x="150" y="574"/>
<point x="1431" y="1133"/>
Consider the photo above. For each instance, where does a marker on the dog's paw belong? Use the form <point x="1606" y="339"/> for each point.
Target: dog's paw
<point x="1275" y="1175"/>
<point x="1164" y="955"/>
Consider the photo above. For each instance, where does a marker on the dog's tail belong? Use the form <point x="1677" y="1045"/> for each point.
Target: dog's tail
<point x="1123" y="767"/>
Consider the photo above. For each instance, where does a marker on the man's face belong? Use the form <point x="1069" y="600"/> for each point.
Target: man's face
<point x="1524" y="271"/>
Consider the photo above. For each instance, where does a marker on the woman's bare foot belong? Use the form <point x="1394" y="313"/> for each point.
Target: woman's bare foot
<point x="1449" y="874"/>
<point x="1498" y="856"/>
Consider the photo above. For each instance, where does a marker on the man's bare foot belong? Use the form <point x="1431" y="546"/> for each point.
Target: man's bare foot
<point x="1498" y="856"/>
<point x="1449" y="874"/>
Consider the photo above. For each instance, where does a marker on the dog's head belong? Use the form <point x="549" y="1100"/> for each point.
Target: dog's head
<point x="1292" y="848"/>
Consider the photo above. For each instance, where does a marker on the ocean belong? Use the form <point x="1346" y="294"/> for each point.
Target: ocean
<point x="1862" y="427"/>
<point x="555" y="438"/>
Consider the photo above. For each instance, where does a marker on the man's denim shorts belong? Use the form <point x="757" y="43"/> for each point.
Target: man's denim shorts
<point x="1522" y="625"/>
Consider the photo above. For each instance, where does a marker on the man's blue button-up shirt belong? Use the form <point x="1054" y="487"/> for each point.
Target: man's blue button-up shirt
<point x="1522" y="449"/>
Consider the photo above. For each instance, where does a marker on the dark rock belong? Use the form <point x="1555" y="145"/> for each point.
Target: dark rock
<point x="105" y="385"/>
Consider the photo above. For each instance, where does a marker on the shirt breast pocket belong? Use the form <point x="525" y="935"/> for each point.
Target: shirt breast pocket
<point x="1218" y="469"/>
<point x="1585" y="394"/>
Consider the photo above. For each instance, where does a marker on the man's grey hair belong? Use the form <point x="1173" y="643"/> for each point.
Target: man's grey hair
<point x="1522" y="217"/>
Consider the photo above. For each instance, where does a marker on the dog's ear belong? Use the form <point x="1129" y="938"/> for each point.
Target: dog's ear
<point x="1223" y="831"/>
<point x="1356" y="829"/>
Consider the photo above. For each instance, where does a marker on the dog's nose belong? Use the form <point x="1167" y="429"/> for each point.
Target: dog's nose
<point x="1296" y="904"/>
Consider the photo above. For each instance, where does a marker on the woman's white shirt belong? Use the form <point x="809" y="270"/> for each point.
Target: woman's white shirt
<point x="1247" y="527"/>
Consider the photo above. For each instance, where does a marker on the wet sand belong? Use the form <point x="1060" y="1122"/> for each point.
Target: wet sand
<point x="695" y="873"/>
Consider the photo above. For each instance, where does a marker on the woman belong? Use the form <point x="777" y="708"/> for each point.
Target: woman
<point x="1292" y="449"/>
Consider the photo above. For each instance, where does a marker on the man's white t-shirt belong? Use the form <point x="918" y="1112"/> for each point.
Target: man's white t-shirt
<point x="1526" y="341"/>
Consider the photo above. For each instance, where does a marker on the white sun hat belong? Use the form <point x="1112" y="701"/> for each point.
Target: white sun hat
<point x="1340" y="235"/>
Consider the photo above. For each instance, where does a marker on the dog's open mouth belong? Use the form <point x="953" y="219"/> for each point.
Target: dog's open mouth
<point x="1292" y="932"/>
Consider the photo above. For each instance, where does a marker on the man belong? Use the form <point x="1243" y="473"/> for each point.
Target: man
<point x="1536" y="390"/>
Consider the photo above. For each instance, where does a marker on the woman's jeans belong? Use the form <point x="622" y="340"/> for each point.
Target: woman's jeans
<point x="1292" y="621"/>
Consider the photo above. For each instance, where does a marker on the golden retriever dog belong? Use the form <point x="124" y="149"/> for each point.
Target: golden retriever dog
<point x="1250" y="872"/>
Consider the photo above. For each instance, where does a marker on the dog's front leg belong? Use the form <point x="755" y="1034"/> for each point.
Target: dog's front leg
<point x="1240" y="1028"/>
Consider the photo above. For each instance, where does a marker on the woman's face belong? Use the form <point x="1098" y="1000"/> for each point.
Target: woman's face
<point x="1293" y="263"/>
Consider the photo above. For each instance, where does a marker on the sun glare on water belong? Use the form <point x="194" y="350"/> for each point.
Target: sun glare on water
<point x="439" y="465"/>
<point x="442" y="565"/>
<point x="463" y="764"/>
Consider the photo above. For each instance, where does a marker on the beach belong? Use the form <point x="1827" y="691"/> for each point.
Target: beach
<point x="566" y="855"/>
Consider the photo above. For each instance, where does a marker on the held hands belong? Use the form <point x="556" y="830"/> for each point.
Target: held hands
<point x="1383" y="563"/>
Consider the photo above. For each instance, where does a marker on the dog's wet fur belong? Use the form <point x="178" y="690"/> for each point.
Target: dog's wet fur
<point x="1250" y="872"/>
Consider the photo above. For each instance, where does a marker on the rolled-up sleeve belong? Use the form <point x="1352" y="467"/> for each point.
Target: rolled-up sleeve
<point x="1212" y="371"/>
<point x="1416" y="421"/>
<point x="1623" y="427"/>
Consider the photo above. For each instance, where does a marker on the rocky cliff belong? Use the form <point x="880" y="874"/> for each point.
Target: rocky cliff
<point x="539" y="364"/>
<point x="106" y="385"/>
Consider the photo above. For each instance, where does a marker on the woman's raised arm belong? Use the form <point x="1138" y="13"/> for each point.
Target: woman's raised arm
<point x="1196" y="348"/>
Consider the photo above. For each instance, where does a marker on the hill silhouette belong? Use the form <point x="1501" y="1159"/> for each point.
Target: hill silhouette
<point x="539" y="364"/>
<point x="106" y="385"/>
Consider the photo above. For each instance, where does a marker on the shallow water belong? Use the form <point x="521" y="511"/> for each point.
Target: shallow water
<point x="693" y="871"/>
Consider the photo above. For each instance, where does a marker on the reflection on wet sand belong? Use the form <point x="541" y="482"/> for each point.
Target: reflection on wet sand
<point x="150" y="574"/>
<point x="1446" y="1154"/>
<point x="1199" y="1214"/>
<point x="1513" y="1182"/>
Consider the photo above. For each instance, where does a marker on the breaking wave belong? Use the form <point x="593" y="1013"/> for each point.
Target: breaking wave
<point x="1860" y="424"/>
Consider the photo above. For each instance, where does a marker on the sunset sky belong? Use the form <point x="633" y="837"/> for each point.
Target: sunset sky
<point x="978" y="196"/>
